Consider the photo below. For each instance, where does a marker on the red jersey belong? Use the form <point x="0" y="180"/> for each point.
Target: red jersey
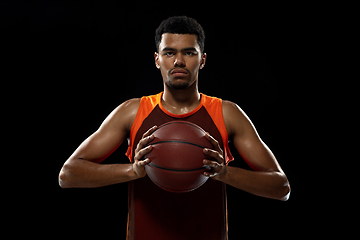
<point x="158" y="214"/>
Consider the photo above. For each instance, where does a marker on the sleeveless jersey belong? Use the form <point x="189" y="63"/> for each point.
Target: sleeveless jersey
<point x="157" y="214"/>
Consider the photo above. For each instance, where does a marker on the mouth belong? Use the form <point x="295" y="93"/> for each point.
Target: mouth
<point x="179" y="72"/>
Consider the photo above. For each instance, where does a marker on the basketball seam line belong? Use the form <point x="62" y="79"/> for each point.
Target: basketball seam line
<point x="170" y="141"/>
<point x="177" y="170"/>
<point x="182" y="122"/>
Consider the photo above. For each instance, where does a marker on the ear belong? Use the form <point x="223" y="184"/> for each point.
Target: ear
<point x="156" y="55"/>
<point x="203" y="60"/>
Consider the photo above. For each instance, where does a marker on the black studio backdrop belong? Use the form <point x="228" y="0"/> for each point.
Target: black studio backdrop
<point x="73" y="62"/>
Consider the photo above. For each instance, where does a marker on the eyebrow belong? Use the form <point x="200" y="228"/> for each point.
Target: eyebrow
<point x="182" y="50"/>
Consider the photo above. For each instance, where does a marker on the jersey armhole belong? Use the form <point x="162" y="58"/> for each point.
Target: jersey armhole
<point x="214" y="107"/>
<point x="147" y="104"/>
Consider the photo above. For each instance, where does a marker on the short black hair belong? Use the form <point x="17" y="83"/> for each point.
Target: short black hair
<point x="180" y="25"/>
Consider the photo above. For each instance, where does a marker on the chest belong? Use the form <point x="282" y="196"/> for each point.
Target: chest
<point x="158" y="117"/>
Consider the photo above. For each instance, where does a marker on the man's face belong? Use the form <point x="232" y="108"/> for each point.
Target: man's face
<point x="179" y="60"/>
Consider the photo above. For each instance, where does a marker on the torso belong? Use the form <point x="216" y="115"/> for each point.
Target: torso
<point x="133" y="105"/>
<point x="150" y="206"/>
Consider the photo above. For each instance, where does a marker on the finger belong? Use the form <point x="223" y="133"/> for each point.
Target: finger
<point x="144" y="162"/>
<point x="214" y="142"/>
<point x="143" y="142"/>
<point x="210" y="174"/>
<point x="211" y="164"/>
<point x="213" y="154"/>
<point x="146" y="138"/>
<point x="140" y="154"/>
<point x="149" y="132"/>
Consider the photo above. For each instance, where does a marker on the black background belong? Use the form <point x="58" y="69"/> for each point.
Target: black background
<point x="70" y="63"/>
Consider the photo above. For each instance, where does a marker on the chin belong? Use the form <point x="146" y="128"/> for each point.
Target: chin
<point x="179" y="84"/>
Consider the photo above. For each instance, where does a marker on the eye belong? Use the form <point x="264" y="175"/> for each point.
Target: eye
<point x="169" y="54"/>
<point x="189" y="53"/>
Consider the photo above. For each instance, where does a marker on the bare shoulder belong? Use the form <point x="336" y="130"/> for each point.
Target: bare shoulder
<point x="123" y="115"/>
<point x="232" y="108"/>
<point x="236" y="120"/>
<point x="129" y="107"/>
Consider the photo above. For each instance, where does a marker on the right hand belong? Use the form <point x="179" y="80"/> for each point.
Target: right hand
<point x="141" y="151"/>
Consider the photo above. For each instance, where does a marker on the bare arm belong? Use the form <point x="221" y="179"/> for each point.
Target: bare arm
<point x="268" y="179"/>
<point x="83" y="168"/>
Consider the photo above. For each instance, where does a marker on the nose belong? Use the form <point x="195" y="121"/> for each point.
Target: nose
<point x="179" y="61"/>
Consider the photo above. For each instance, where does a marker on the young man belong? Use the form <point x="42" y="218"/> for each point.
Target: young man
<point x="153" y="212"/>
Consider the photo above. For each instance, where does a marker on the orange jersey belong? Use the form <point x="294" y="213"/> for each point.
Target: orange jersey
<point x="212" y="105"/>
<point x="157" y="214"/>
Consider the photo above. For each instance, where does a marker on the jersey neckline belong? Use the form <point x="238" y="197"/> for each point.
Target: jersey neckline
<point x="181" y="115"/>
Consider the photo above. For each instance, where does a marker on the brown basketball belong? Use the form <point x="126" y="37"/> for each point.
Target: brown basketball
<point x="177" y="156"/>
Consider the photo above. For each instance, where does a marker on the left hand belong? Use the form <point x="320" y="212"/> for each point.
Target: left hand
<point x="218" y="166"/>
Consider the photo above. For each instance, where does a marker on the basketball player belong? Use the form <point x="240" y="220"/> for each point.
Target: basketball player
<point x="153" y="212"/>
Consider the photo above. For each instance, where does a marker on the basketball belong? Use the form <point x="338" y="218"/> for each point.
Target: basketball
<point x="177" y="156"/>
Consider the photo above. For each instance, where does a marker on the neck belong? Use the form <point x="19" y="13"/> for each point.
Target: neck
<point x="181" y="101"/>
